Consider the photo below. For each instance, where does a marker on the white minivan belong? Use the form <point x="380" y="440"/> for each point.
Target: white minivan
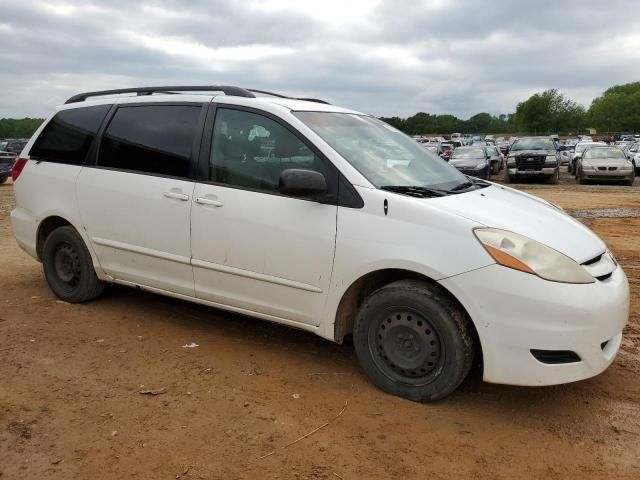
<point x="320" y="218"/>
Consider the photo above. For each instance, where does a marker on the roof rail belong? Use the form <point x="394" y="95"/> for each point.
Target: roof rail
<point x="227" y="90"/>
<point x="316" y="100"/>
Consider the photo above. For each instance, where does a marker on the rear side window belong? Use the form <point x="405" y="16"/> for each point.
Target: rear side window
<point x="68" y="136"/>
<point x="155" y="139"/>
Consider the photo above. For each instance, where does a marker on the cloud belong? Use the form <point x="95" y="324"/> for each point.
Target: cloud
<point x="379" y="56"/>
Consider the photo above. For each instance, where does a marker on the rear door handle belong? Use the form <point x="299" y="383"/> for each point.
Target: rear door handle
<point x="209" y="201"/>
<point x="176" y="195"/>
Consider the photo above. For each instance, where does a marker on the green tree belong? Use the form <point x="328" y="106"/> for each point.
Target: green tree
<point x="549" y="111"/>
<point x="618" y="109"/>
<point x="18" y="128"/>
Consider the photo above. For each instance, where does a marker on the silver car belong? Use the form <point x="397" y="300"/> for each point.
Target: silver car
<point x="605" y="164"/>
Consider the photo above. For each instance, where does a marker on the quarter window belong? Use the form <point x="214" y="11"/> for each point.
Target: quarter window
<point x="68" y="136"/>
<point x="251" y="151"/>
<point x="156" y="139"/>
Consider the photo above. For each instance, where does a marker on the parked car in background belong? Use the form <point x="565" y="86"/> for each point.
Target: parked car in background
<point x="604" y="164"/>
<point x="472" y="160"/>
<point x="504" y="147"/>
<point x="533" y="158"/>
<point x="6" y="163"/>
<point x="496" y="159"/>
<point x="15" y="146"/>
<point x="577" y="153"/>
<point x="632" y="153"/>
<point x="431" y="147"/>
<point x="446" y="150"/>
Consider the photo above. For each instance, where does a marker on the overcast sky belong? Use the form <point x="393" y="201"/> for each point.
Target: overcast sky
<point x="379" y="56"/>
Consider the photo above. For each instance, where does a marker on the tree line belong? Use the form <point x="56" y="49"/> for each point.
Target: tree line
<point x="18" y="128"/>
<point x="616" y="110"/>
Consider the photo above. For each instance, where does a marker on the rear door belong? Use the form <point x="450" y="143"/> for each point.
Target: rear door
<point x="253" y="248"/>
<point x="135" y="201"/>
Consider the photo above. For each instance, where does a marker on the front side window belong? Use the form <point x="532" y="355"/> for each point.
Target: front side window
<point x="251" y="151"/>
<point x="155" y="139"/>
<point x="68" y="136"/>
<point x="382" y="154"/>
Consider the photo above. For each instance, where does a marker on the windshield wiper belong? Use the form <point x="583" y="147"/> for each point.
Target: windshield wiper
<point x="462" y="186"/>
<point x="415" y="190"/>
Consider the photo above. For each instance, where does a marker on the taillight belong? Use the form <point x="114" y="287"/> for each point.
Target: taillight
<point x="18" y="165"/>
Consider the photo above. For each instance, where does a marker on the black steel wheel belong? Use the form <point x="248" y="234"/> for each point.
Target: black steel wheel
<point x="68" y="266"/>
<point x="414" y="340"/>
<point x="407" y="346"/>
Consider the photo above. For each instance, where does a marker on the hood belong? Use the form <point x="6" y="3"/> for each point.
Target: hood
<point x="502" y="207"/>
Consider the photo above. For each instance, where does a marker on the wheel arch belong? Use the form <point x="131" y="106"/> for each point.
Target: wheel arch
<point x="353" y="297"/>
<point x="45" y="227"/>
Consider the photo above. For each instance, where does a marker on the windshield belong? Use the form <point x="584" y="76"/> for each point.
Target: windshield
<point x="468" y="153"/>
<point x="533" y="144"/>
<point x="382" y="154"/>
<point x="604" y="152"/>
<point x="581" y="146"/>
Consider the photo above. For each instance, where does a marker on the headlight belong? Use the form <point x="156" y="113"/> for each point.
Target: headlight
<point x="480" y="166"/>
<point x="588" y="165"/>
<point x="516" y="251"/>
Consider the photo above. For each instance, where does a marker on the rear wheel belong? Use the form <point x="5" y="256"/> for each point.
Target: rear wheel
<point x="414" y="341"/>
<point x="68" y="267"/>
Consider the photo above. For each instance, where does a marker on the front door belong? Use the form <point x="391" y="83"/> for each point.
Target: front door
<point x="253" y="248"/>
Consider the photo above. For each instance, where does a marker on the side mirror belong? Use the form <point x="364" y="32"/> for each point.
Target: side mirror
<point x="301" y="183"/>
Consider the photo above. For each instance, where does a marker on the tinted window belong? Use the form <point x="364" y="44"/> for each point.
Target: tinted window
<point x="154" y="139"/>
<point x="251" y="151"/>
<point x="68" y="136"/>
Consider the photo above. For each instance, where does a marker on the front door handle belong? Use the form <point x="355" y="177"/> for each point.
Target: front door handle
<point x="209" y="201"/>
<point x="176" y="195"/>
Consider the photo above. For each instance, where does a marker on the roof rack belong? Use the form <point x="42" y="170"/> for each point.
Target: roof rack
<point x="316" y="100"/>
<point x="227" y="90"/>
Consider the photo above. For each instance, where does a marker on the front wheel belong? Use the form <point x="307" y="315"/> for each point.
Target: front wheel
<point x="579" y="177"/>
<point x="68" y="267"/>
<point x="3" y="179"/>
<point x="413" y="340"/>
<point x="555" y="178"/>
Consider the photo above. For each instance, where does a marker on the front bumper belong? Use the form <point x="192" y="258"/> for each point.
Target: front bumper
<point x="516" y="312"/>
<point x="543" y="172"/>
<point x="607" y="175"/>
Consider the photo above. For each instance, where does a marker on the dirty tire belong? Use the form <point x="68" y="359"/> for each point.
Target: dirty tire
<point x="579" y="178"/>
<point x="68" y="267"/>
<point x="413" y="340"/>
<point x="555" y="178"/>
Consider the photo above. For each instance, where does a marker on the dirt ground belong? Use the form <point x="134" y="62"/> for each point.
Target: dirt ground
<point x="244" y="403"/>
